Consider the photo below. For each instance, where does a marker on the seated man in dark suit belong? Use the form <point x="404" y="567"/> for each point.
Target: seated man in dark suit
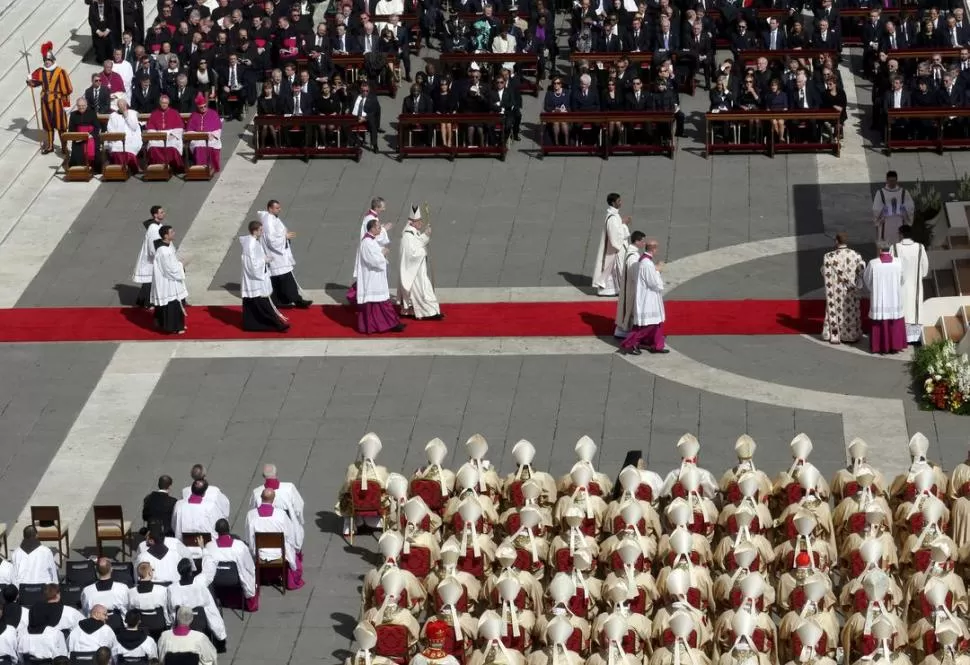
<point x="474" y="98"/>
<point x="803" y="97"/>
<point x="584" y="99"/>
<point x="773" y="38"/>
<point x="743" y="39"/>
<point x="897" y="98"/>
<point x="296" y="104"/>
<point x="159" y="506"/>
<point x="144" y="95"/>
<point x="98" y="96"/>
<point x="182" y="95"/>
<point x="825" y="38"/>
<point x="233" y="93"/>
<point x="698" y="54"/>
<point x="666" y="42"/>
<point x="504" y="100"/>
<point x="637" y="38"/>
<point x="368" y="111"/>
<point x="415" y="103"/>
<point x="638" y="99"/>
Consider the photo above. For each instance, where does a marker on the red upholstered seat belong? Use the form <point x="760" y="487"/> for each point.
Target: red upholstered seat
<point x="793" y="492"/>
<point x="856" y="523"/>
<point x="403" y="601"/>
<point x="735" y="599"/>
<point x="588" y="527"/>
<point x="645" y="493"/>
<point x="733" y="494"/>
<point x="594" y="488"/>
<point x="851" y="488"/>
<point x="667" y="638"/>
<point x="469" y="563"/>
<point x="575" y="642"/>
<point x="578" y="604"/>
<point x="860" y="600"/>
<point x="418" y="561"/>
<point x="616" y="563"/>
<point x="763" y="640"/>
<point x="695" y="599"/>
<point x="731" y="564"/>
<point x="821" y="647"/>
<point x="514" y="490"/>
<point x="511" y="642"/>
<point x="922" y="559"/>
<point x="796" y="599"/>
<point x="512" y="524"/>
<point x="678" y="491"/>
<point x="638" y="605"/>
<point x="430" y="493"/>
<point x="461" y="605"/>
<point x="366" y="502"/>
<point x="915" y="523"/>
<point x="856" y="564"/>
<point x="392" y="642"/>
<point x="564" y="560"/>
<point x="619" y="524"/>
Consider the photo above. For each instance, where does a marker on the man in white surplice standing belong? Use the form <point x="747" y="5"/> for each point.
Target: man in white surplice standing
<point x="377" y="207"/>
<point x="415" y="292"/>
<point x="276" y="242"/>
<point x="613" y="240"/>
<point x="916" y="267"/>
<point x="892" y="206"/>
<point x="143" y="265"/>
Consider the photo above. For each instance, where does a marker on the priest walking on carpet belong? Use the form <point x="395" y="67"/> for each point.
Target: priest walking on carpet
<point x="613" y="240"/>
<point x="276" y="243"/>
<point x="259" y="312"/>
<point x="375" y="309"/>
<point x="628" y="283"/>
<point x="168" y="284"/>
<point x="415" y="292"/>
<point x="883" y="278"/>
<point x="377" y="207"/>
<point x="648" y="310"/>
<point x="146" y="255"/>
<point x="916" y="267"/>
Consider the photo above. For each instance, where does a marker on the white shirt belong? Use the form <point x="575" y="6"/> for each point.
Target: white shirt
<point x="191" y="517"/>
<point x="371" y="272"/>
<point x="43" y="646"/>
<point x="239" y="554"/>
<point x="213" y="494"/>
<point x="35" y="568"/>
<point x="83" y="641"/>
<point x="194" y="642"/>
<point x="113" y="595"/>
<point x="277" y="246"/>
<point x="278" y="522"/>
<point x="154" y="598"/>
<point x="884" y="282"/>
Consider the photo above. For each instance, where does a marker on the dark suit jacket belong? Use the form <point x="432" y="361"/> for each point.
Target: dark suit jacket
<point x="185" y="103"/>
<point x="643" y="104"/>
<point x="372" y="108"/>
<point x="872" y="33"/>
<point x="639" y="42"/>
<point x="508" y="103"/>
<point x="306" y="104"/>
<point x="375" y="43"/>
<point x="350" y="44"/>
<point x="422" y="105"/>
<point x="901" y="42"/>
<point x="780" y="42"/>
<point x="241" y="74"/>
<point x="98" y="99"/>
<point x="831" y="40"/>
<point x="578" y="102"/>
<point x="811" y="94"/>
<point x="905" y="99"/>
<point x="144" y="101"/>
<point x="610" y="44"/>
<point x="158" y="508"/>
<point x="674" y="41"/>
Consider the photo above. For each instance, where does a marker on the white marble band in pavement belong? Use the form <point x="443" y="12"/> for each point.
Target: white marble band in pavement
<point x="99" y="433"/>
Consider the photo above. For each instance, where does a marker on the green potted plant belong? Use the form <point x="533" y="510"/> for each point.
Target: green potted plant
<point x="928" y="206"/>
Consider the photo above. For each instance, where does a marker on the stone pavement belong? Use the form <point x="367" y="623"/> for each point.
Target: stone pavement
<point x="96" y="423"/>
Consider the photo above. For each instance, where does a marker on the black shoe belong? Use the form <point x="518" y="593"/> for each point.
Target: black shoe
<point x="398" y="328"/>
<point x="658" y="350"/>
<point x="436" y="317"/>
<point x="220" y="646"/>
<point x="374" y="148"/>
<point x="515" y="137"/>
<point x="304" y="304"/>
<point x="635" y="351"/>
<point x="283" y="327"/>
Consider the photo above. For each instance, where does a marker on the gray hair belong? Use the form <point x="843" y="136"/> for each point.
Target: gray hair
<point x="884" y="246"/>
<point x="585" y="79"/>
<point x="184" y="616"/>
<point x="376" y="202"/>
<point x="269" y="471"/>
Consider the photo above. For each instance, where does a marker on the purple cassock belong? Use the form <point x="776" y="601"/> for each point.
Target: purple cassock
<point x="206" y="154"/>
<point x="169" y="151"/>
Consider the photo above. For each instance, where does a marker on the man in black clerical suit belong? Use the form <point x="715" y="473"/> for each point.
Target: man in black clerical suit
<point x="368" y="110"/>
<point x="159" y="506"/>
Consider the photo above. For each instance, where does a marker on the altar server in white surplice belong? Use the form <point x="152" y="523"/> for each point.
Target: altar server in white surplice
<point x="193" y="515"/>
<point x="192" y="590"/>
<point x="286" y="497"/>
<point x="33" y="562"/>
<point x="276" y="241"/>
<point x="915" y="267"/>
<point x="212" y="495"/>
<point x="256" y="288"/>
<point x="648" y="310"/>
<point x="143" y="264"/>
<point x="225" y="549"/>
<point x="92" y="633"/>
<point x="884" y="280"/>
<point x="168" y="284"/>
<point x="627" y="285"/>
<point x="112" y="595"/>
<point x="415" y="292"/>
<point x="615" y="236"/>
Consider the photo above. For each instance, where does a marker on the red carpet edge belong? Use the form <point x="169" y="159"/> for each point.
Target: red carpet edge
<point x="553" y="319"/>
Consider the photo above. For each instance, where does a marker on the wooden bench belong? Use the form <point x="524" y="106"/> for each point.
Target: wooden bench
<point x="749" y="57"/>
<point x="346" y="125"/>
<point x="768" y="144"/>
<point x="763" y="15"/>
<point x="431" y="122"/>
<point x="599" y="122"/>
<point x="409" y="20"/>
<point x="353" y="65"/>
<point x="938" y="117"/>
<point x="923" y="53"/>
<point x="852" y="19"/>
<point x="528" y="65"/>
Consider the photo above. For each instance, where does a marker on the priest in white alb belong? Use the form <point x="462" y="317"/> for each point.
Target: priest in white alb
<point x="181" y="639"/>
<point x="415" y="292"/>
<point x="259" y="312"/>
<point x="375" y="309"/>
<point x="377" y="208"/>
<point x="648" y="310"/>
<point x="225" y="549"/>
<point x="883" y="278"/>
<point x="266" y="518"/>
<point x="287" y="497"/>
<point x="168" y="284"/>
<point x="615" y="236"/>
<point x="892" y="206"/>
<point x="628" y="283"/>
<point x="276" y="242"/>
<point x="143" y="264"/>
<point x="916" y="266"/>
<point x="194" y="516"/>
<point x="33" y="562"/>
<point x="124" y="121"/>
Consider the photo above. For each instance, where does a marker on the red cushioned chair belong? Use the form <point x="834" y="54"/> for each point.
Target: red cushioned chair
<point x="392" y="643"/>
<point x="821" y="648"/>
<point x="365" y="503"/>
<point x="469" y="563"/>
<point x="430" y="493"/>
<point x="418" y="561"/>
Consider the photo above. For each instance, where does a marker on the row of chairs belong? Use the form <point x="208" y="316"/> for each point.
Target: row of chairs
<point x="109" y="526"/>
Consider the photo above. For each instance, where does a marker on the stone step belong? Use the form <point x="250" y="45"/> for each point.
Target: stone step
<point x="945" y="284"/>
<point x="961" y="273"/>
<point x="931" y="334"/>
<point x="958" y="242"/>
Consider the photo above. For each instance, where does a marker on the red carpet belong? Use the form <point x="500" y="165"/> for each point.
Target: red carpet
<point x="560" y="319"/>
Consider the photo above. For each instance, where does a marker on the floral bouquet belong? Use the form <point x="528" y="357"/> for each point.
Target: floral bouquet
<point x="943" y="376"/>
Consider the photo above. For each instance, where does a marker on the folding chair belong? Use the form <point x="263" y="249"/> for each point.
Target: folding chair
<point x="110" y="525"/>
<point x="50" y="528"/>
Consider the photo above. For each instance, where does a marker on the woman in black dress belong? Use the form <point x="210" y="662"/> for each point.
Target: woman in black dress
<point x="446" y="103"/>
<point x="834" y="98"/>
<point x="612" y="100"/>
<point x="268" y="104"/>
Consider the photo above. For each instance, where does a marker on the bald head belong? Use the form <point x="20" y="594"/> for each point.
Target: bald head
<point x="145" y="571"/>
<point x="651" y="244"/>
<point x="268" y="496"/>
<point x="99" y="613"/>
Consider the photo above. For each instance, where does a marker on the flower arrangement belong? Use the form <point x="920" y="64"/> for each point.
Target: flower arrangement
<point x="927" y="204"/>
<point x="942" y="377"/>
